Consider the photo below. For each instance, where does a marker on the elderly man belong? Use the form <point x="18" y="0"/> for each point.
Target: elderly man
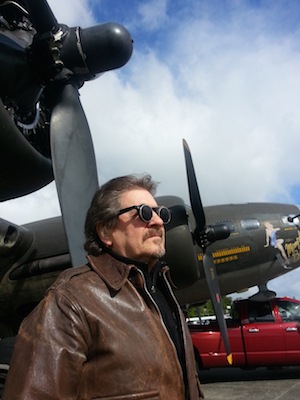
<point x="111" y="329"/>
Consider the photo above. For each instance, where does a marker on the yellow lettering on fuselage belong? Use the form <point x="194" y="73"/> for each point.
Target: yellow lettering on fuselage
<point x="226" y="255"/>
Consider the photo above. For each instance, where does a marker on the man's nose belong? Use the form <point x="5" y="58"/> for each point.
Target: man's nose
<point x="156" y="220"/>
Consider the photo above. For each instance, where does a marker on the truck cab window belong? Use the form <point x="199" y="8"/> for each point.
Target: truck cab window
<point x="289" y="311"/>
<point x="260" y="312"/>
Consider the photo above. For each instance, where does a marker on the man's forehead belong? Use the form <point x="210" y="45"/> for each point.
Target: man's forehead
<point x="137" y="196"/>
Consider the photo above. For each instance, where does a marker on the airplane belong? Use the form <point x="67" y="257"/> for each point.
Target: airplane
<point x="43" y="129"/>
<point x="32" y="255"/>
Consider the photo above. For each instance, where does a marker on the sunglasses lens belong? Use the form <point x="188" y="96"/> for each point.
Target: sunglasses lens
<point x="145" y="213"/>
<point x="165" y="214"/>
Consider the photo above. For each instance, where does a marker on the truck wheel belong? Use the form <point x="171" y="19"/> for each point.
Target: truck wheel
<point x="6" y="350"/>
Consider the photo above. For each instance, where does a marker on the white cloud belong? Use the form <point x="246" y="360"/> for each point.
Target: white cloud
<point x="152" y="13"/>
<point x="286" y="285"/>
<point x="231" y="87"/>
<point x="72" y="13"/>
<point x="233" y="96"/>
<point x="33" y="207"/>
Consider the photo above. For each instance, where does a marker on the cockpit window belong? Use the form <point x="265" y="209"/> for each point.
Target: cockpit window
<point x="250" y="224"/>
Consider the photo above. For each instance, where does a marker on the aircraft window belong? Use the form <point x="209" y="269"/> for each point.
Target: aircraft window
<point x="250" y="224"/>
<point x="260" y="312"/>
<point x="289" y="310"/>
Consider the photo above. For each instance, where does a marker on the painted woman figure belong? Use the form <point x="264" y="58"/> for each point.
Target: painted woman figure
<point x="271" y="239"/>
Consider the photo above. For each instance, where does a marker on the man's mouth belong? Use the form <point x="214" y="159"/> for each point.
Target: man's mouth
<point x="153" y="233"/>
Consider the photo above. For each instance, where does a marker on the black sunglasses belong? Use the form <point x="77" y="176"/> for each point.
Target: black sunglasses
<point x="145" y="212"/>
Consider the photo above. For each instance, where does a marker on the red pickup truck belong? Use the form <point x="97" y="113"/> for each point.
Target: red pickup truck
<point x="260" y="334"/>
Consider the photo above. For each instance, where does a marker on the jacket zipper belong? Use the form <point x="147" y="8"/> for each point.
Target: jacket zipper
<point x="160" y="317"/>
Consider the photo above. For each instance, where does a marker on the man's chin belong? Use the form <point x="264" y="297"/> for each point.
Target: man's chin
<point x="154" y="257"/>
<point x="159" y="253"/>
<point x="155" y="254"/>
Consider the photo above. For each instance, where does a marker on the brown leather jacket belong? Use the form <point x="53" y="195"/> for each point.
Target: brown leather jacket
<point x="95" y="337"/>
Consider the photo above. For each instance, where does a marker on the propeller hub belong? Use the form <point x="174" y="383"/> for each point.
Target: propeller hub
<point x="211" y="234"/>
<point x="217" y="232"/>
<point x="97" y="49"/>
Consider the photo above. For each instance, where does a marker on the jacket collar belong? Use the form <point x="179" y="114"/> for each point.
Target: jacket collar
<point x="115" y="269"/>
<point x="113" y="272"/>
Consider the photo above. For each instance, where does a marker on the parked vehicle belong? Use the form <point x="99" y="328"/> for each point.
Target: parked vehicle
<point x="260" y="334"/>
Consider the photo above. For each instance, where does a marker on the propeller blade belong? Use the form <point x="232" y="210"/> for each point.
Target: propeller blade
<point x="195" y="199"/>
<point x="213" y="286"/>
<point x="180" y="252"/>
<point x="41" y="15"/>
<point x="74" y="167"/>
<point x="202" y="239"/>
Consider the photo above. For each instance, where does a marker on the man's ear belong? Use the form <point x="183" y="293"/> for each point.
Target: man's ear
<point x="104" y="235"/>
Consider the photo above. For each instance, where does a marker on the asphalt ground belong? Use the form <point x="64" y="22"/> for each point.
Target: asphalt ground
<point x="259" y="384"/>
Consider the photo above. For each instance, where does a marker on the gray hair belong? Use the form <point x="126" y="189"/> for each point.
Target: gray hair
<point x="105" y="206"/>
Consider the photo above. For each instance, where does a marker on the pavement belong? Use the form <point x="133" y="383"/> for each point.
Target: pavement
<point x="257" y="384"/>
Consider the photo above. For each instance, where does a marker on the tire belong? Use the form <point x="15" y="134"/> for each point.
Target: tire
<point x="6" y="350"/>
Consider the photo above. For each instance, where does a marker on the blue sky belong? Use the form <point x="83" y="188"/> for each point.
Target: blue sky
<point x="224" y="75"/>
